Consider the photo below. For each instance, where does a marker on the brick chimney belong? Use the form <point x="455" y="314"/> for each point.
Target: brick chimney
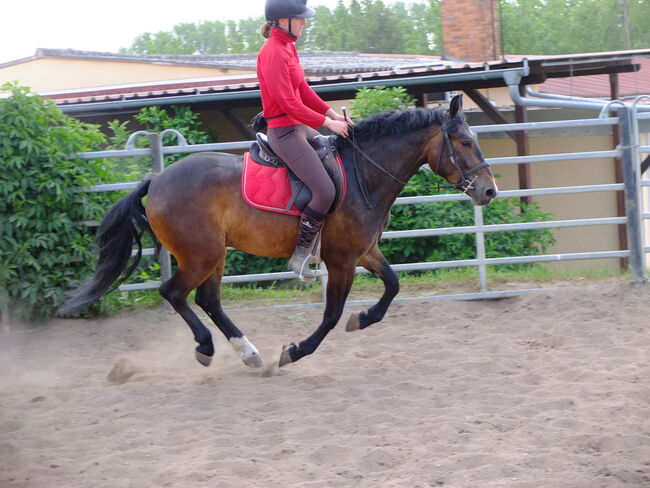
<point x="471" y="29"/>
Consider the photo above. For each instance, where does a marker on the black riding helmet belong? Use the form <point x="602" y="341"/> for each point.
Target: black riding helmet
<point x="287" y="9"/>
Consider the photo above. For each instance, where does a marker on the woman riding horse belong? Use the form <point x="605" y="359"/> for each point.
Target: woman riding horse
<point x="195" y="209"/>
<point x="293" y="111"/>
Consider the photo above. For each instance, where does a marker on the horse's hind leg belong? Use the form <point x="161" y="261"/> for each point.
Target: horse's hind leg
<point x="208" y="298"/>
<point x="175" y="291"/>
<point x="375" y="262"/>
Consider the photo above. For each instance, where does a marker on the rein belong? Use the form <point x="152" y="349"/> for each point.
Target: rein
<point x="464" y="184"/>
<point x="371" y="161"/>
<point x="360" y="181"/>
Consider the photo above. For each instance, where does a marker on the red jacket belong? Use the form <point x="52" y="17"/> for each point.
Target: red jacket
<point x="283" y="86"/>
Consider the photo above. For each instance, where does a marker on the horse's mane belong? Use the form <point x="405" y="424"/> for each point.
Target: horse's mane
<point x="398" y="122"/>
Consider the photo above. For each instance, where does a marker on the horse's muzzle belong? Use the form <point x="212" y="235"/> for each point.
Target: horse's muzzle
<point x="483" y="195"/>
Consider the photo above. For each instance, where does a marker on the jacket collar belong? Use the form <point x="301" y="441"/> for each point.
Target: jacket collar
<point x="283" y="36"/>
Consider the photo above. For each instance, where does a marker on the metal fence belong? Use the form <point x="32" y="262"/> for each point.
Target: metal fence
<point x="629" y="151"/>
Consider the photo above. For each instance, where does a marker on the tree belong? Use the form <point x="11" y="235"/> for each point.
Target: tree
<point x="572" y="26"/>
<point x="211" y="37"/>
<point x="368" y="26"/>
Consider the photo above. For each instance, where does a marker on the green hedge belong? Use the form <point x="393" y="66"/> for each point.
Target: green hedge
<point x="457" y="214"/>
<point x="44" y="240"/>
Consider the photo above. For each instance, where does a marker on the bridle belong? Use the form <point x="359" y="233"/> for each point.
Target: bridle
<point x="463" y="184"/>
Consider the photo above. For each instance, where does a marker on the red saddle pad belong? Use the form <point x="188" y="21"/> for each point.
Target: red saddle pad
<point x="266" y="187"/>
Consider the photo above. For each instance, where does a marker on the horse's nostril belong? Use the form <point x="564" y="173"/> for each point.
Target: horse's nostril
<point x="491" y="193"/>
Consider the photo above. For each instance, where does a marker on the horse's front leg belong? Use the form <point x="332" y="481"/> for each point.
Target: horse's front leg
<point x="375" y="262"/>
<point x="340" y="278"/>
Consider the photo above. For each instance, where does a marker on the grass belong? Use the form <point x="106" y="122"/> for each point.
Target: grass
<point x="440" y="282"/>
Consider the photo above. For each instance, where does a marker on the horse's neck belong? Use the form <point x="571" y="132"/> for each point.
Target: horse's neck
<point x="400" y="162"/>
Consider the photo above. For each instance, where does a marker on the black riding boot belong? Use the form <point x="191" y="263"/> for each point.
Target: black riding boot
<point x="311" y="223"/>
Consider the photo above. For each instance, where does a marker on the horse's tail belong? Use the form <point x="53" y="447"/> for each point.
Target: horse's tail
<point x="123" y="225"/>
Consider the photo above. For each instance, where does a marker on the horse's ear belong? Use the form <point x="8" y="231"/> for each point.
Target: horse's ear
<point x="456" y="106"/>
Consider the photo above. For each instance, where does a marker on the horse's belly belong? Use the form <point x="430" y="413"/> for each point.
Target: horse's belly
<point x="261" y="233"/>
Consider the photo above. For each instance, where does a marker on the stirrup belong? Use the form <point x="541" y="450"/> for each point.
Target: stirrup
<point x="299" y="264"/>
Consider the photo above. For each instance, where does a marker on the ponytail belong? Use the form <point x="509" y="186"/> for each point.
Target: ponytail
<point x="265" y="30"/>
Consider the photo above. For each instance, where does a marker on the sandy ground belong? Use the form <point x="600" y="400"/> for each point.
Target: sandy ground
<point x="545" y="390"/>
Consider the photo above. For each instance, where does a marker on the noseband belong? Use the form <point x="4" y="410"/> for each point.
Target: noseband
<point x="463" y="184"/>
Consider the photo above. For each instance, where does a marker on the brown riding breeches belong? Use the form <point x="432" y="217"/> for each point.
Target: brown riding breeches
<point x="291" y="144"/>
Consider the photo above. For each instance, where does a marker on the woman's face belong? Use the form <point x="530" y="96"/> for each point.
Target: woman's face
<point x="296" y="25"/>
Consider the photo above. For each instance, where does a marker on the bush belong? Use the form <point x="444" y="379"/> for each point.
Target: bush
<point x="45" y="242"/>
<point x="455" y="214"/>
<point x="369" y="101"/>
<point x="154" y="119"/>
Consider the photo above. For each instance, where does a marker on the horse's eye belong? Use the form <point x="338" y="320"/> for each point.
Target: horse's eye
<point x="466" y="144"/>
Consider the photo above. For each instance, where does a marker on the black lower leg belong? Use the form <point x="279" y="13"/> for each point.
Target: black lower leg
<point x="207" y="297"/>
<point x="338" y="287"/>
<point x="391" y="288"/>
<point x="178" y="300"/>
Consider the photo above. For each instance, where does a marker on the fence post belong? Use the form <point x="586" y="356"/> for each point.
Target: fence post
<point x="158" y="165"/>
<point x="632" y="195"/>
<point x="323" y="281"/>
<point x="5" y="317"/>
<point x="480" y="247"/>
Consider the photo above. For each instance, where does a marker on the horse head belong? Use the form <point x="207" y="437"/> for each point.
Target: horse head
<point x="453" y="152"/>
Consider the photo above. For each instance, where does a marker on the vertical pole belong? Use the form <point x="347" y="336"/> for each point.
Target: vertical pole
<point x="4" y="316"/>
<point x="631" y="193"/>
<point x="158" y="164"/>
<point x="521" y="136"/>
<point x="618" y="172"/>
<point x="323" y="281"/>
<point x="480" y="247"/>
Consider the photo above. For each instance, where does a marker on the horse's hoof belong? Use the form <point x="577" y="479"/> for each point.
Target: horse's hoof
<point x="202" y="358"/>
<point x="354" y="322"/>
<point x="254" y="361"/>
<point x="285" y="357"/>
<point x="247" y="351"/>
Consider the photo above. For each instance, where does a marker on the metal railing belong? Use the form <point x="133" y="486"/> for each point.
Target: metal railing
<point x="628" y="151"/>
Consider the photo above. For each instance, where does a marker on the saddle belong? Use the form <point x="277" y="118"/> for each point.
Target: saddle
<point x="268" y="184"/>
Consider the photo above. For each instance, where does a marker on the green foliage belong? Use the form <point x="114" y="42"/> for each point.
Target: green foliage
<point x="457" y="214"/>
<point x="368" y="101"/>
<point x="572" y="26"/>
<point x="368" y="26"/>
<point x="212" y="37"/>
<point x="44" y="241"/>
<point x="372" y="26"/>
<point x="154" y="119"/>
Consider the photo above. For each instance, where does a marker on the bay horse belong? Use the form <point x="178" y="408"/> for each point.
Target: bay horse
<point x="195" y="209"/>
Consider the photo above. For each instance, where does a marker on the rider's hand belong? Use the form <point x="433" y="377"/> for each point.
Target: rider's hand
<point x="339" y="127"/>
<point x="336" y="116"/>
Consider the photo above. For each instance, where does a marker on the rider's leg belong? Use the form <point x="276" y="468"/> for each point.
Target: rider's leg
<point x="290" y="143"/>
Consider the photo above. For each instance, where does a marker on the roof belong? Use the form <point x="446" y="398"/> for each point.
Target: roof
<point x="343" y="72"/>
<point x="598" y="86"/>
<point x="314" y="62"/>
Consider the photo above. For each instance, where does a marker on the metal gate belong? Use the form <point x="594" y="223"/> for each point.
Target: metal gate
<point x="629" y="152"/>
